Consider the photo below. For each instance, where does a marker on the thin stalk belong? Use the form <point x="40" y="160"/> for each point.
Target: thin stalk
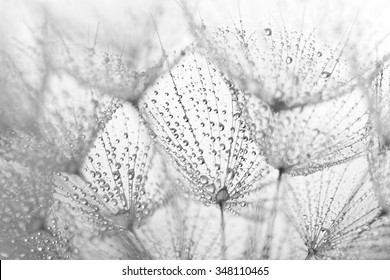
<point x="271" y="223"/>
<point x="139" y="246"/>
<point x="221" y="197"/>
<point x="223" y="246"/>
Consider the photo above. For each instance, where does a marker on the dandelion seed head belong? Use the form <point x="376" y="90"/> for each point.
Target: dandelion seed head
<point x="251" y="143"/>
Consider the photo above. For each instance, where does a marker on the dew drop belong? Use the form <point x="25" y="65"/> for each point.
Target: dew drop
<point x="131" y="174"/>
<point x="83" y="201"/>
<point x="267" y="31"/>
<point x="204" y="179"/>
<point x="210" y="188"/>
<point x="116" y="175"/>
<point x="325" y="75"/>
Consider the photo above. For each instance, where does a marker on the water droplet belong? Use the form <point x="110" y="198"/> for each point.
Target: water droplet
<point x="116" y="175"/>
<point x="84" y="201"/>
<point x="131" y="174"/>
<point x="268" y="31"/>
<point x="210" y="188"/>
<point x="204" y="179"/>
<point x="325" y="75"/>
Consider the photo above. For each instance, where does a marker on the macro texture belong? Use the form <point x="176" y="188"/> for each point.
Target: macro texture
<point x="180" y="131"/>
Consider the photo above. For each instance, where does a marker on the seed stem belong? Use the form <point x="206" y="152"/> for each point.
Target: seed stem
<point x="223" y="246"/>
<point x="271" y="222"/>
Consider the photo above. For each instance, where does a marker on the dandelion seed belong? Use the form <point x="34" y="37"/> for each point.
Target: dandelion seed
<point x="305" y="140"/>
<point x="280" y="66"/>
<point x="120" y="177"/>
<point x="333" y="208"/>
<point x="195" y="118"/>
<point x="119" y="65"/>
<point x="110" y="73"/>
